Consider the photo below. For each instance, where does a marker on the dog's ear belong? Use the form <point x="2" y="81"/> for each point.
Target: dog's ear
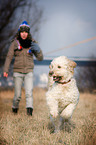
<point x="50" y="66"/>
<point x="72" y="63"/>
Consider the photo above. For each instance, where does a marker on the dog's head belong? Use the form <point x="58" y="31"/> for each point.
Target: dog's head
<point x="62" y="69"/>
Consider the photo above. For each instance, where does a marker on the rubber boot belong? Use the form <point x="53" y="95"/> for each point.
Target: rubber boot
<point x="15" y="110"/>
<point x="29" y="111"/>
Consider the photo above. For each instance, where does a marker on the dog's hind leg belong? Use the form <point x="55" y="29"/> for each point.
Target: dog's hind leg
<point x="62" y="123"/>
<point x="65" y="124"/>
<point x="66" y="116"/>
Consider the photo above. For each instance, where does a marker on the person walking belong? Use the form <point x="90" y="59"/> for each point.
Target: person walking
<point x="22" y="48"/>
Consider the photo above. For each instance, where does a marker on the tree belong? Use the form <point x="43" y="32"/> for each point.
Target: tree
<point x="86" y="78"/>
<point x="12" y="13"/>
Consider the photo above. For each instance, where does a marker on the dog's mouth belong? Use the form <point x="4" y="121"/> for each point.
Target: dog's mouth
<point x="57" y="78"/>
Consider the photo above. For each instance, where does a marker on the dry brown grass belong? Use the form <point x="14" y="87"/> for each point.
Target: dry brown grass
<point x="21" y="129"/>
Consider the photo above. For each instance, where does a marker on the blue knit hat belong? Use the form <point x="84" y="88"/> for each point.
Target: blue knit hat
<point x="24" y="23"/>
<point x="24" y="27"/>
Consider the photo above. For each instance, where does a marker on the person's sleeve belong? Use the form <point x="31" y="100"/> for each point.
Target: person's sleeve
<point x="37" y="51"/>
<point x="9" y="58"/>
<point x="39" y="55"/>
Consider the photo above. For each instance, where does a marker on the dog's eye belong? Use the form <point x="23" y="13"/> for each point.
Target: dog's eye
<point x="59" y="66"/>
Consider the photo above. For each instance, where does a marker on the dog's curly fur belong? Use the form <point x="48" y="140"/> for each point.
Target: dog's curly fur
<point x="62" y="96"/>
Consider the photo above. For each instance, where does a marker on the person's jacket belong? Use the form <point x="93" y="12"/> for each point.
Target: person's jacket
<point x="23" y="62"/>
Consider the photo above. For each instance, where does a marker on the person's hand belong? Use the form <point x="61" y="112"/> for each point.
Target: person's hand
<point x="5" y="74"/>
<point x="35" y="47"/>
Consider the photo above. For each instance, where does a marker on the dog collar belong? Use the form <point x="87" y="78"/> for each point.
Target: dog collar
<point x="63" y="82"/>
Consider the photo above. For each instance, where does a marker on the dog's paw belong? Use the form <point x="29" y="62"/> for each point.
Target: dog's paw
<point x="54" y="114"/>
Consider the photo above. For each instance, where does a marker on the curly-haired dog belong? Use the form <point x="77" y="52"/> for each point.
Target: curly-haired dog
<point x="62" y="95"/>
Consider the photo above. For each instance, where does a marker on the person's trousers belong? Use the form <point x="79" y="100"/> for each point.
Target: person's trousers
<point x="19" y="78"/>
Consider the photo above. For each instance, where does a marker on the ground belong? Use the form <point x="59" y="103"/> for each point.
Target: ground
<point x="21" y="129"/>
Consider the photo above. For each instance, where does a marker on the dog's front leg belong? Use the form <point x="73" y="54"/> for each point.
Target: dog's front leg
<point x="55" y="122"/>
<point x="68" y="111"/>
<point x="55" y="118"/>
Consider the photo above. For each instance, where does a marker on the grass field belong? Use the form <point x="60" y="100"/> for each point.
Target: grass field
<point x="21" y="129"/>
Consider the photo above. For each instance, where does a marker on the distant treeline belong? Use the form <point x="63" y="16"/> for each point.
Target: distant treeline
<point x="91" y="63"/>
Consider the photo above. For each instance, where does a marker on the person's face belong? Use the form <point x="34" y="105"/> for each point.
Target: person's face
<point x="23" y="35"/>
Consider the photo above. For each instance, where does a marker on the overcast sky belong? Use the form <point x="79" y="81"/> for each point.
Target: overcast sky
<point x="66" y="22"/>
